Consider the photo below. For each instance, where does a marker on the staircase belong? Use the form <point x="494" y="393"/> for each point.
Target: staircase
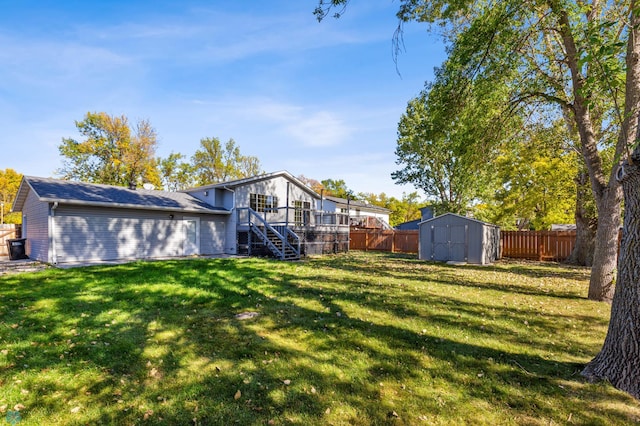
<point x="281" y="241"/>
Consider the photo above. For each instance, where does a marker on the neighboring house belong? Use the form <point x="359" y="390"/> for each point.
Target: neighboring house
<point x="65" y="221"/>
<point x="360" y="214"/>
<point x="454" y="238"/>
<point x="413" y="225"/>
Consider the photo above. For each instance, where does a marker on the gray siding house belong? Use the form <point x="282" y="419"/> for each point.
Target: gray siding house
<point x="65" y="221"/>
<point x="454" y="238"/>
<point x="272" y="214"/>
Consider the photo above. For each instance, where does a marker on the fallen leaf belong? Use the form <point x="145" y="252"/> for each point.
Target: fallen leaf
<point x="287" y="382"/>
<point x="19" y="407"/>
<point x="238" y="395"/>
<point x="147" y="414"/>
<point x="75" y="410"/>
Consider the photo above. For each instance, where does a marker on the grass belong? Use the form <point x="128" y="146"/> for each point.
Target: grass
<point x="363" y="339"/>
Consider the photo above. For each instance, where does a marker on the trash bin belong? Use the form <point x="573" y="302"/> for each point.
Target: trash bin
<point x="17" y="249"/>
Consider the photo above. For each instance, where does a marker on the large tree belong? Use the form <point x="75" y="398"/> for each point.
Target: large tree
<point x="112" y="152"/>
<point x="557" y="58"/>
<point x="583" y="57"/>
<point x="214" y="162"/>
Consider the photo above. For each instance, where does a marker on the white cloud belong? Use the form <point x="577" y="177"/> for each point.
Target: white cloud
<point x="319" y="129"/>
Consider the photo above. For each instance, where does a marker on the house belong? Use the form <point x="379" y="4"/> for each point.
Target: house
<point x="360" y="213"/>
<point x="454" y="238"/>
<point x="413" y="225"/>
<point x="273" y="214"/>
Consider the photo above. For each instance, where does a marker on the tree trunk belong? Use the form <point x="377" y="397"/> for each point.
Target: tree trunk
<point x="601" y="282"/>
<point x="619" y="360"/>
<point x="586" y="224"/>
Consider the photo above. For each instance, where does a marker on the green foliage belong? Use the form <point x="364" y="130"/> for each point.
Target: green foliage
<point x="175" y="174"/>
<point x="403" y="210"/>
<point x="444" y="150"/>
<point x="360" y="338"/>
<point x="337" y="188"/>
<point x="9" y="185"/>
<point x="215" y="163"/>
<point x="536" y="189"/>
<point x="112" y="152"/>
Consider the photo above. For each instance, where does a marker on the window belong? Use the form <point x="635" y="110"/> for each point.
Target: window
<point x="263" y="203"/>
<point x="302" y="212"/>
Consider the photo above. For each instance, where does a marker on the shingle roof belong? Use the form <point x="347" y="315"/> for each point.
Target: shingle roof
<point x="88" y="194"/>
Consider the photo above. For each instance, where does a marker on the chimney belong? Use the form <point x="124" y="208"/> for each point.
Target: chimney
<point x="426" y="213"/>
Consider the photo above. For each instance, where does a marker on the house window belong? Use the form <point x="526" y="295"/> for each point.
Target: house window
<point x="302" y="212"/>
<point x="263" y="203"/>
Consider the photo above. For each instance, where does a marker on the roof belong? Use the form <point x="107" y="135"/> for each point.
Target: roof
<point x="457" y="215"/>
<point x="246" y="181"/>
<point x="412" y="224"/>
<point x="91" y="194"/>
<point x="357" y="204"/>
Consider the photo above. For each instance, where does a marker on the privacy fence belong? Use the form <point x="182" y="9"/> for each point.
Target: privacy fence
<point x="534" y="245"/>
<point x="537" y="245"/>
<point x="7" y="232"/>
<point x="393" y="241"/>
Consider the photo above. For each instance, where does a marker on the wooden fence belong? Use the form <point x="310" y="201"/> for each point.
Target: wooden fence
<point x="537" y="245"/>
<point x="7" y="232"/>
<point x="393" y="241"/>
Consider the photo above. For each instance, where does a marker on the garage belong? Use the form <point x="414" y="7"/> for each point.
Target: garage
<point x="66" y="222"/>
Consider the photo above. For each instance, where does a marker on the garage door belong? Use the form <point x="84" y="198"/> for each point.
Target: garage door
<point x="104" y="236"/>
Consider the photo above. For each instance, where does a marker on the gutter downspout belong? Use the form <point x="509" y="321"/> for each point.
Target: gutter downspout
<point x="236" y="215"/>
<point x="52" y="233"/>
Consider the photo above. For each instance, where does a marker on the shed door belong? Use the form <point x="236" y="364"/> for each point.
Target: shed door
<point x="191" y="235"/>
<point x="449" y="243"/>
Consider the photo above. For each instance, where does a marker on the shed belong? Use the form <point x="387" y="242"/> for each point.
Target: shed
<point x="454" y="238"/>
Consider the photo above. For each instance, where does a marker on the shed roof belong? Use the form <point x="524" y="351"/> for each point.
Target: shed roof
<point x="90" y="194"/>
<point x="457" y="215"/>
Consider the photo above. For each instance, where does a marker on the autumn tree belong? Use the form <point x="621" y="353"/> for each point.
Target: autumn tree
<point x="214" y="162"/>
<point x="112" y="152"/>
<point x="9" y="184"/>
<point x="311" y="183"/>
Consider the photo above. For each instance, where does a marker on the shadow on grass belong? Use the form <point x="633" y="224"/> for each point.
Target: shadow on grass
<point x="158" y="343"/>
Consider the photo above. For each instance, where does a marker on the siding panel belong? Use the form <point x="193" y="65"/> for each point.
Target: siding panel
<point x="92" y="234"/>
<point x="35" y="215"/>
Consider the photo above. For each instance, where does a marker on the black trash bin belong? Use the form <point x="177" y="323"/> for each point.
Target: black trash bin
<point x="17" y="248"/>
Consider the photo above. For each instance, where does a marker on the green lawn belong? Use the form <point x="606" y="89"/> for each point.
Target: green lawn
<point x="357" y="339"/>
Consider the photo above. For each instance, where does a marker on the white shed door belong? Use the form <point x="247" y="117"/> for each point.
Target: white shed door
<point x="191" y="235"/>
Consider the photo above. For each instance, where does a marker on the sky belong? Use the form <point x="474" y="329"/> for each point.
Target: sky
<point x="321" y="100"/>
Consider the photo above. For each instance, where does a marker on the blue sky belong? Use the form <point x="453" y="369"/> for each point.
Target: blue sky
<point x="318" y="99"/>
